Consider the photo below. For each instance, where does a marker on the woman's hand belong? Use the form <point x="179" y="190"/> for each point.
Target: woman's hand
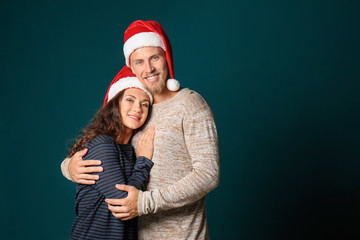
<point x="145" y="145"/>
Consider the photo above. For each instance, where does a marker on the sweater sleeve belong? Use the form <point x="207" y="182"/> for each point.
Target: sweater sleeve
<point x="141" y="173"/>
<point x="65" y="168"/>
<point x="202" y="144"/>
<point x="113" y="171"/>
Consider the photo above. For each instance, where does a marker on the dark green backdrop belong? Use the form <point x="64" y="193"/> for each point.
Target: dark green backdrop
<point x="282" y="78"/>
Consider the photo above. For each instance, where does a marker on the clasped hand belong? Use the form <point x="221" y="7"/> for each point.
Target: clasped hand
<point x="125" y="208"/>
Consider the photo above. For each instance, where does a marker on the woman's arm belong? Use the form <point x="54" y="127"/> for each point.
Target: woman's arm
<point x="145" y="149"/>
<point x="141" y="173"/>
<point x="104" y="148"/>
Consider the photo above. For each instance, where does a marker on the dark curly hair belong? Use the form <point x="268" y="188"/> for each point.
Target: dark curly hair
<point x="106" y="121"/>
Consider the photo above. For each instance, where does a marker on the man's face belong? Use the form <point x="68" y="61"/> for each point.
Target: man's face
<point x="150" y="67"/>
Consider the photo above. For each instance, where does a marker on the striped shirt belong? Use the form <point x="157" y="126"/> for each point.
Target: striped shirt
<point x="94" y="220"/>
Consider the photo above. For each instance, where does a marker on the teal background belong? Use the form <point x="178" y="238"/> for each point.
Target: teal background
<point x="282" y="78"/>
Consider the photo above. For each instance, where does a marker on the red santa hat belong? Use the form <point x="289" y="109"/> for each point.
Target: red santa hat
<point x="149" y="34"/>
<point x="125" y="79"/>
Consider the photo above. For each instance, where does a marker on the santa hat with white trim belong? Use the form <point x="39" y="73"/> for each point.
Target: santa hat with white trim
<point x="125" y="79"/>
<point x="149" y="34"/>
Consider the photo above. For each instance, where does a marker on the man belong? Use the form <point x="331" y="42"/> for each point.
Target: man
<point x="186" y="159"/>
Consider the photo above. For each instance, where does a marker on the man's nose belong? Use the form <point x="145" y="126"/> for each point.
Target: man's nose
<point x="149" y="67"/>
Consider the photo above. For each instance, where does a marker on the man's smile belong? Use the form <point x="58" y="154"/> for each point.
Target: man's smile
<point x="152" y="77"/>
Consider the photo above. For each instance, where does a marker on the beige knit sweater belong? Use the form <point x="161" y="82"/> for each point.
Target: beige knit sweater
<point x="186" y="168"/>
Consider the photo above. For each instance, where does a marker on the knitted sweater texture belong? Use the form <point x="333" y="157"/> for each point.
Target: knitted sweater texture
<point x="186" y="168"/>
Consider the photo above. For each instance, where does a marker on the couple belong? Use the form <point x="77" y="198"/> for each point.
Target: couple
<point x="185" y="160"/>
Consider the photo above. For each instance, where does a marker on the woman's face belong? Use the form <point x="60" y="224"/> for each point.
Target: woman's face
<point x="134" y="108"/>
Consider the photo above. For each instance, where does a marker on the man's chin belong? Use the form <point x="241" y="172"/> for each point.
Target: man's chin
<point x="156" y="90"/>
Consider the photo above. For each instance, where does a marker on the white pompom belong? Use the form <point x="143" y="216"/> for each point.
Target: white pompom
<point x="173" y="85"/>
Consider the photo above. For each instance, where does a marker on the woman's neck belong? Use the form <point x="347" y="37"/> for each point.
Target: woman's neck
<point x="125" y="137"/>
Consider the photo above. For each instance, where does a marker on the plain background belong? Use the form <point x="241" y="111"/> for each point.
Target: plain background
<point x="282" y="78"/>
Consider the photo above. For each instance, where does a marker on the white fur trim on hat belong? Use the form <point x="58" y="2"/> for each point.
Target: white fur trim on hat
<point x="126" y="83"/>
<point x="143" y="39"/>
<point x="172" y="84"/>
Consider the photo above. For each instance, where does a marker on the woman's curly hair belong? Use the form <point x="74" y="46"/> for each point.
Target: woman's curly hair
<point x="106" y="121"/>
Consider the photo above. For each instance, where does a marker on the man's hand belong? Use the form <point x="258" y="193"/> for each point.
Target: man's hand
<point x="79" y="169"/>
<point x="125" y="208"/>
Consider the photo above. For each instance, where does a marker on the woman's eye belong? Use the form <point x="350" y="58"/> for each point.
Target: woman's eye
<point x="145" y="105"/>
<point x="129" y="100"/>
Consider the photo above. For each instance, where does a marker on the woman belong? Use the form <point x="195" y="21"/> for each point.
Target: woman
<point x="107" y="138"/>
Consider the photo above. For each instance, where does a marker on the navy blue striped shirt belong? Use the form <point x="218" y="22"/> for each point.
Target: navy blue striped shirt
<point x="94" y="220"/>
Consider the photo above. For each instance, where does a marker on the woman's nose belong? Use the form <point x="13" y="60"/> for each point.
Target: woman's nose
<point x="137" y="107"/>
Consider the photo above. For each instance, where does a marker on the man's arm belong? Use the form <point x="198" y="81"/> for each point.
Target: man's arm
<point x="202" y="144"/>
<point x="77" y="170"/>
<point x="65" y="168"/>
